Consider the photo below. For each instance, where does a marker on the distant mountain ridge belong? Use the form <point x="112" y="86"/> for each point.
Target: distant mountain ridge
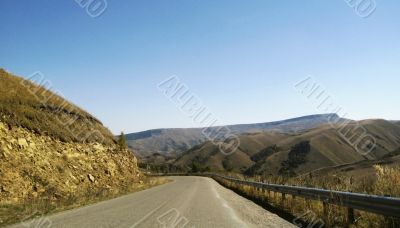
<point x="179" y="140"/>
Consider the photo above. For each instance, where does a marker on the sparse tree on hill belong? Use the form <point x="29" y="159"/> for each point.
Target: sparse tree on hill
<point x="122" y="141"/>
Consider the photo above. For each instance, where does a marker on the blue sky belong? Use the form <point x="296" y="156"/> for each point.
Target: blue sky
<point x="242" y="58"/>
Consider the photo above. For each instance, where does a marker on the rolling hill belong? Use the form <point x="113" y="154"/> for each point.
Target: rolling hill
<point x="272" y="153"/>
<point x="177" y="141"/>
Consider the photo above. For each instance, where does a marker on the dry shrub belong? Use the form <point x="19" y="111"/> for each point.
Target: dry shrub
<point x="388" y="179"/>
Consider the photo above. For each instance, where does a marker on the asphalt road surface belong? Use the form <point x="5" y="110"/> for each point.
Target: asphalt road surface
<point x="185" y="202"/>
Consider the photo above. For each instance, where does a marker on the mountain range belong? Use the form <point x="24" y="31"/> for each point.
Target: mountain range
<point x="175" y="141"/>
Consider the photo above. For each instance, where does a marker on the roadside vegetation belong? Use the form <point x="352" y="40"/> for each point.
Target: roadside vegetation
<point x="383" y="183"/>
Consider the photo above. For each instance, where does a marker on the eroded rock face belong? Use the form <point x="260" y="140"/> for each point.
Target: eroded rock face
<point x="34" y="166"/>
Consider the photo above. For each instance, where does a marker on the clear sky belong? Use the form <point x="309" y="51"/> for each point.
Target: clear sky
<point x="242" y="58"/>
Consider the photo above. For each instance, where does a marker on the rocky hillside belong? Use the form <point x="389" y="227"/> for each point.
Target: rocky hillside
<point x="34" y="166"/>
<point x="294" y="154"/>
<point x="177" y="141"/>
<point x="41" y="156"/>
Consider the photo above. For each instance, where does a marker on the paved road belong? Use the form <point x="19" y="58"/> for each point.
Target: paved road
<point x="186" y="202"/>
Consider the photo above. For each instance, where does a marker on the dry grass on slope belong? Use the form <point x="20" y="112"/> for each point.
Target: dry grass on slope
<point x="25" y="104"/>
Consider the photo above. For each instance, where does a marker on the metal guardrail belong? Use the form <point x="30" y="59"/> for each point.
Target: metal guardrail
<point x="387" y="206"/>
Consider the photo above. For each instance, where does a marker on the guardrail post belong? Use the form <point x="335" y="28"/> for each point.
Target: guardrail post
<point x="350" y="217"/>
<point x="264" y="194"/>
<point x="283" y="200"/>
<point x="326" y="213"/>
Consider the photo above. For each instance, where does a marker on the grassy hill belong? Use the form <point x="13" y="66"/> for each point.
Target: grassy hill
<point x="209" y="155"/>
<point x="294" y="154"/>
<point x="25" y="104"/>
